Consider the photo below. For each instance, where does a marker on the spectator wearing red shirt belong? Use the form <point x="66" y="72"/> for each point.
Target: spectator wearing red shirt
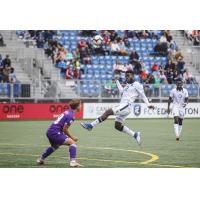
<point x="154" y="67"/>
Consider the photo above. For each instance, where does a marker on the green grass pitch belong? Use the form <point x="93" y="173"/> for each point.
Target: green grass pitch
<point x="21" y="142"/>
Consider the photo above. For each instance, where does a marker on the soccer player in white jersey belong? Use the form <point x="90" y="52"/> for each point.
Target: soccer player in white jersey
<point x="179" y="97"/>
<point x="129" y="93"/>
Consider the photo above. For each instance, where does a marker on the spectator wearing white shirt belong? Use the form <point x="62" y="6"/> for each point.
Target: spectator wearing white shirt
<point x="114" y="47"/>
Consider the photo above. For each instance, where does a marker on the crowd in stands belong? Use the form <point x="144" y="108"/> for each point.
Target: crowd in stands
<point x="1" y="41"/>
<point x="73" y="57"/>
<point x="7" y="72"/>
<point x="194" y="36"/>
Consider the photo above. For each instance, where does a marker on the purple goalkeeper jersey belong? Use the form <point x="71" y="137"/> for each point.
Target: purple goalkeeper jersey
<point x="66" y="117"/>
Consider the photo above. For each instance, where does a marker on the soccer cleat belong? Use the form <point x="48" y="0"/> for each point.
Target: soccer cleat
<point x="87" y="126"/>
<point x="73" y="163"/>
<point x="40" y="161"/>
<point x="177" y="139"/>
<point x="137" y="137"/>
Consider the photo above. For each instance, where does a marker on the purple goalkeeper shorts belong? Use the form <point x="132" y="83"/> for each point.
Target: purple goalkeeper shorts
<point x="56" y="139"/>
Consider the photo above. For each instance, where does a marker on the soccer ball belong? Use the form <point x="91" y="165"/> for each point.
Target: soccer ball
<point x="97" y="40"/>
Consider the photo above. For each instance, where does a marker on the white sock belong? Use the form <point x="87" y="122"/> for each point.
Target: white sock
<point x="176" y="130"/>
<point x="128" y="131"/>
<point x="96" y="121"/>
<point x="180" y="129"/>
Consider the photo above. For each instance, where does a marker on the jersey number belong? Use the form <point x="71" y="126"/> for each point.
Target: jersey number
<point x="59" y="118"/>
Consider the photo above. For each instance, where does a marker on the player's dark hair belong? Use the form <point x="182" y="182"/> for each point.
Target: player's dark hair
<point x="130" y="72"/>
<point x="74" y="103"/>
<point x="179" y="79"/>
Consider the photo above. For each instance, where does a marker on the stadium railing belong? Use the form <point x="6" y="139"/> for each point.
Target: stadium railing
<point x="48" y="90"/>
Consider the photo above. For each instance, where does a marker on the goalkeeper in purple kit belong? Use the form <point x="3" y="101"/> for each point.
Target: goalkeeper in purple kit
<point x="58" y="134"/>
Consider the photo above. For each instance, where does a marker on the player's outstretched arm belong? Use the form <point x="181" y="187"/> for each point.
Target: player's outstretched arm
<point x="168" y="105"/>
<point x="120" y="88"/>
<point x="144" y="98"/>
<point x="66" y="132"/>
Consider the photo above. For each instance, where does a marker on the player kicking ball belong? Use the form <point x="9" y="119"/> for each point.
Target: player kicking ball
<point x="179" y="97"/>
<point x="129" y="93"/>
<point x="58" y="134"/>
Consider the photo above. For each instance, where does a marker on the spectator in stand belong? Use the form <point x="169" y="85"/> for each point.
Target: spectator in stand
<point x="150" y="80"/>
<point x="138" y="67"/>
<point x="178" y="56"/>
<point x="106" y="37"/>
<point x="122" y="48"/>
<point x="12" y="75"/>
<point x="1" y="73"/>
<point x="81" y="43"/>
<point x="70" y="72"/>
<point x="85" y="57"/>
<point x="170" y="65"/>
<point x="180" y="65"/>
<point x="118" y="67"/>
<point x="7" y="61"/>
<point x="6" y="72"/>
<point x="154" y="67"/>
<point x="1" y="61"/>
<point x="69" y="54"/>
<point x="161" y="48"/>
<point x="111" y="88"/>
<point x="1" y="41"/>
<point x="134" y="57"/>
<point x="188" y="77"/>
<point x="163" y="79"/>
<point x="169" y="75"/>
<point x="197" y="39"/>
<point x="76" y="69"/>
<point x="114" y="48"/>
<point x="40" y="40"/>
<point x="113" y="36"/>
<point x="157" y="81"/>
<point x="168" y="36"/>
<point x="61" y="56"/>
<point x="176" y="76"/>
<point x="129" y="67"/>
<point x="126" y="42"/>
<point x="88" y="33"/>
<point x="143" y="76"/>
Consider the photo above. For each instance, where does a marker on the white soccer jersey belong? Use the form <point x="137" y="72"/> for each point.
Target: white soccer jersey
<point x="178" y="97"/>
<point x="132" y="91"/>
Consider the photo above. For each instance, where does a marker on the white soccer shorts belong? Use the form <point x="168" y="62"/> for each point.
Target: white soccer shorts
<point x="178" y="112"/>
<point x="121" y="111"/>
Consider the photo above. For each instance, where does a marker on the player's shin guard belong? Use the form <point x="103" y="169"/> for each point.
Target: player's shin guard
<point x="128" y="131"/>
<point x="176" y="130"/>
<point x="72" y="152"/>
<point x="47" y="152"/>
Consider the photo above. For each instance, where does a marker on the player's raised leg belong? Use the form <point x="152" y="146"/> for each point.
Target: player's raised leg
<point x="100" y="119"/>
<point x="124" y="129"/>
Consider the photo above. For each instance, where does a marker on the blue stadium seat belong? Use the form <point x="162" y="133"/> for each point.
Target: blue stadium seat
<point x="96" y="76"/>
<point x="102" y="62"/>
<point x="95" y="62"/>
<point x="88" y="77"/>
<point x="90" y="71"/>
<point x="109" y="68"/>
<point x="103" y="77"/>
<point x="109" y="77"/>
